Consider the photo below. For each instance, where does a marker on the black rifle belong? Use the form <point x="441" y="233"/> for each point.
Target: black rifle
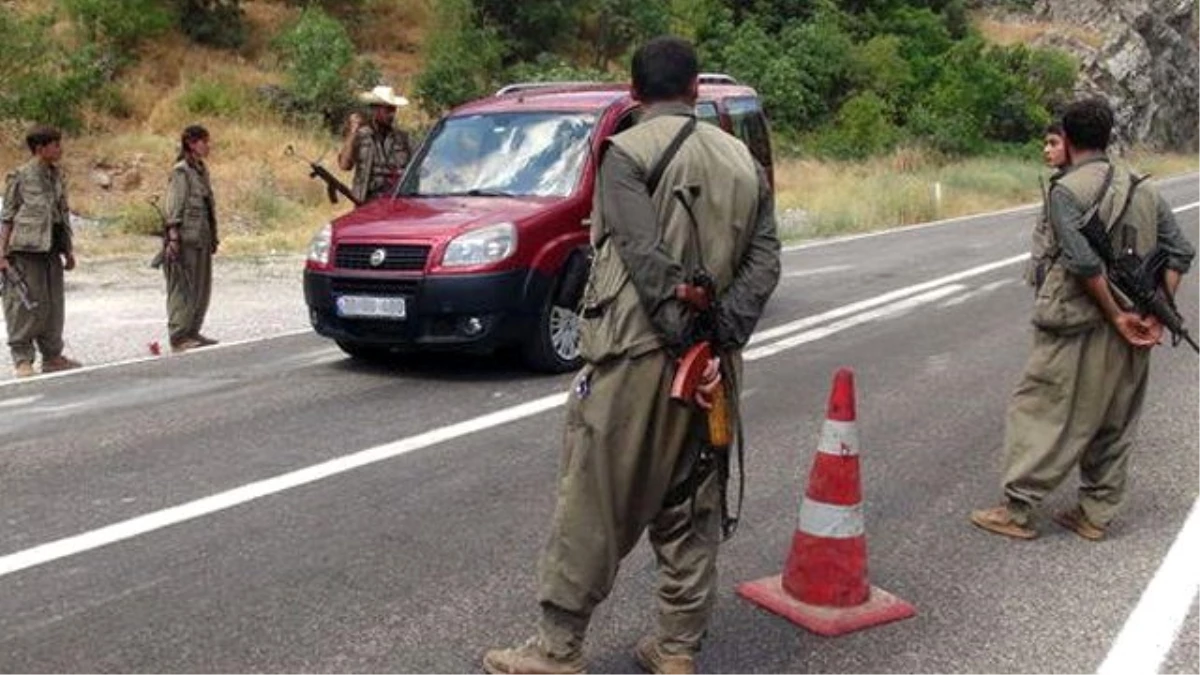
<point x="11" y="278"/>
<point x="1138" y="280"/>
<point x="333" y="186"/>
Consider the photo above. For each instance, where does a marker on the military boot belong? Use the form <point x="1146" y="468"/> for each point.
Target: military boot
<point x="58" y="363"/>
<point x="23" y="369"/>
<point x="650" y="655"/>
<point x="1001" y="520"/>
<point x="529" y="658"/>
<point x="206" y="341"/>
<point x="1077" y="521"/>
<point x="184" y="344"/>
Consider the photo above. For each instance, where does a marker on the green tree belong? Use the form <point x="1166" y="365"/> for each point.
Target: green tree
<point x="320" y="68"/>
<point x="218" y="23"/>
<point x="462" y="58"/>
<point x="43" y="81"/>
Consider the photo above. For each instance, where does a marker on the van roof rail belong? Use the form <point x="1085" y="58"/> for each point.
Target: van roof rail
<point x="526" y="86"/>
<point x="717" y="78"/>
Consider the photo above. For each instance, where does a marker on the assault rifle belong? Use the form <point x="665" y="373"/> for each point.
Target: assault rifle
<point x="700" y="295"/>
<point x="1137" y="281"/>
<point x="333" y="186"/>
<point x="12" y="278"/>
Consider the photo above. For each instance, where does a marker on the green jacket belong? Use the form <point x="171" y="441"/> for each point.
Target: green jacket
<point x="190" y="204"/>
<point x="35" y="203"/>
<point x="644" y="246"/>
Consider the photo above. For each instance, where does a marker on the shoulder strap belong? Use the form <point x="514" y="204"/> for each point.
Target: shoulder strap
<point x="660" y="166"/>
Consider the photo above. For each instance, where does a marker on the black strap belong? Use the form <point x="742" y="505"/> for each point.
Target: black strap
<point x="660" y="166"/>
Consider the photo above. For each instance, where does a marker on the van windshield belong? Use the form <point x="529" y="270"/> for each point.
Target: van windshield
<point x="536" y="154"/>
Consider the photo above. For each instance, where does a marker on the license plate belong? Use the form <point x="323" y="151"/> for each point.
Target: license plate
<point x="370" y="307"/>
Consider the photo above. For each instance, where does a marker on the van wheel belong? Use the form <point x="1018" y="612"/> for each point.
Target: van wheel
<point x="554" y="346"/>
<point x="363" y="352"/>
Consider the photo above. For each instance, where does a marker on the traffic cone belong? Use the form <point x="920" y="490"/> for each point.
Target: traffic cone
<point x="824" y="584"/>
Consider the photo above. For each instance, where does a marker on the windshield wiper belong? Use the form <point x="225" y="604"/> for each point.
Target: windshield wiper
<point x="487" y="192"/>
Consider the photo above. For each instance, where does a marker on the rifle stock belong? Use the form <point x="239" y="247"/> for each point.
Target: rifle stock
<point x="333" y="186"/>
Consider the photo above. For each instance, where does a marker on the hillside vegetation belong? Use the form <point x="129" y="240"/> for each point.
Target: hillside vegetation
<point x="910" y="88"/>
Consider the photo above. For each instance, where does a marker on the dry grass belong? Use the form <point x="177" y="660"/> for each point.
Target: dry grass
<point x="1022" y="30"/>
<point x="902" y="189"/>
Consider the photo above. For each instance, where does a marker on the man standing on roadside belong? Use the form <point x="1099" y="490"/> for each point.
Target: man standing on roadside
<point x="1084" y="384"/>
<point x="672" y="197"/>
<point x="376" y="150"/>
<point x="35" y="249"/>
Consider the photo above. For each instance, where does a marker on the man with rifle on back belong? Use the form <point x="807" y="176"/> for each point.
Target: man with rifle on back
<point x="686" y="256"/>
<point x="1095" y="321"/>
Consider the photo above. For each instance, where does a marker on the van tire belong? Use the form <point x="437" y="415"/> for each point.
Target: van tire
<point x="554" y="345"/>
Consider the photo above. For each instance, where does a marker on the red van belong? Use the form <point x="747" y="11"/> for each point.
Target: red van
<point x="489" y="226"/>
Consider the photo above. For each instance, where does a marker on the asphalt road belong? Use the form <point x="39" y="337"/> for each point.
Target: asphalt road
<point x="273" y="506"/>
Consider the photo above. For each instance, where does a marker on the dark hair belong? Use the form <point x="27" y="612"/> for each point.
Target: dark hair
<point x="1055" y="128"/>
<point x="190" y="135"/>
<point x="1088" y="124"/>
<point x="40" y="137"/>
<point x="664" y="69"/>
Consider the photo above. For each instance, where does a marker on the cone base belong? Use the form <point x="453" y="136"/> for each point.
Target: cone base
<point x="881" y="607"/>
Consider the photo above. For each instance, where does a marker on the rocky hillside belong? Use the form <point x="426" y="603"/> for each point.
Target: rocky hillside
<point x="1145" y="63"/>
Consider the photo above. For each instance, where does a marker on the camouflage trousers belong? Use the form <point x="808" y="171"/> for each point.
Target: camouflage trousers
<point x="627" y="450"/>
<point x="1077" y="404"/>
<point x="42" y="326"/>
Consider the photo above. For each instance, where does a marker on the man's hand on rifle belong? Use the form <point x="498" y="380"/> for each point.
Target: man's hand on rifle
<point x="1138" y="331"/>
<point x="709" y="381"/>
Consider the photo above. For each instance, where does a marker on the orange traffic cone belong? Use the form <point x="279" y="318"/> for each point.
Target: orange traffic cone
<point x="824" y="584"/>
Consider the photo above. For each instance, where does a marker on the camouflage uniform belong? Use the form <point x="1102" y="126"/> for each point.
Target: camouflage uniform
<point x="35" y="206"/>
<point x="191" y="209"/>
<point x="379" y="161"/>
<point x="1082" y="391"/>
<point x="628" y="447"/>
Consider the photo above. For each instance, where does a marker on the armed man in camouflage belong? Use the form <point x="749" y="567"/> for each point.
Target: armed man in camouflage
<point x="375" y="148"/>
<point x="190" y="241"/>
<point x="35" y="249"/>
<point x="634" y="458"/>
<point x="1084" y="384"/>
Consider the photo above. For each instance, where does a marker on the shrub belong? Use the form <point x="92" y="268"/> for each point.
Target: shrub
<point x="320" y="68"/>
<point x="43" y="81"/>
<point x="462" y="59"/>
<point x="121" y="25"/>
<point x="205" y="97"/>
<point x="217" y="23"/>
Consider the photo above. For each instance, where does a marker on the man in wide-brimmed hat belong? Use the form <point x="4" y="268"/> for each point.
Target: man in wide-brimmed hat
<point x="376" y="150"/>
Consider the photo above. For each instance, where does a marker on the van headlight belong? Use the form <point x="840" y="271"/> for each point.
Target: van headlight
<point x="483" y="246"/>
<point x="318" y="248"/>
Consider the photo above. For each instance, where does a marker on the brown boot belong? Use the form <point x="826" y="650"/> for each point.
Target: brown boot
<point x="653" y="659"/>
<point x="58" y="363"/>
<point x="1077" y="521"/>
<point x="206" y="341"/>
<point x="529" y="658"/>
<point x="184" y="344"/>
<point x="23" y="369"/>
<point x="999" y="519"/>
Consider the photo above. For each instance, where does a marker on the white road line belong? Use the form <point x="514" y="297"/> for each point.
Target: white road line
<point x="62" y="548"/>
<point x="19" y="401"/>
<point x="133" y="527"/>
<point x="1151" y="630"/>
<point x="817" y="270"/>
<point x="971" y="295"/>
<point x="891" y="296"/>
<point x="166" y="354"/>
<point x="838" y="326"/>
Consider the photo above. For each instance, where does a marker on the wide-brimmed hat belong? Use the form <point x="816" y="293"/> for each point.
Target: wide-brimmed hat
<point x="382" y="95"/>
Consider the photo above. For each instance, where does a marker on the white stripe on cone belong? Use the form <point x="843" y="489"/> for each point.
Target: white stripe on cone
<point x="832" y="522"/>
<point x="839" y="439"/>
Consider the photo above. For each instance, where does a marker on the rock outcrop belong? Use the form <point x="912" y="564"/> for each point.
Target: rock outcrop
<point x="1147" y="66"/>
